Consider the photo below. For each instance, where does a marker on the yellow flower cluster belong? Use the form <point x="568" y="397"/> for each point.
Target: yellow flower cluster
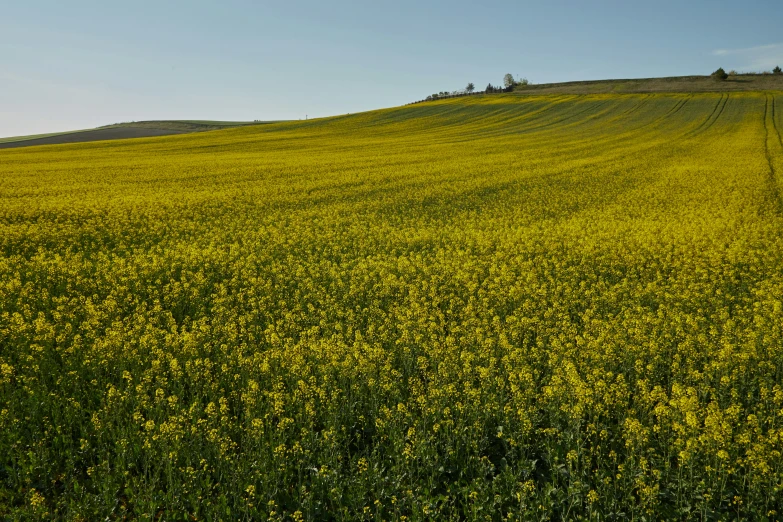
<point x="494" y="308"/>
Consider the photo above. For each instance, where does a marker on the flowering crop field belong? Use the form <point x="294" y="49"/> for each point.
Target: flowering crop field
<point x="484" y="308"/>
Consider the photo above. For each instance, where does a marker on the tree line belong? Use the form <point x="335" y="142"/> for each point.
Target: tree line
<point x="509" y="83"/>
<point x="721" y="74"/>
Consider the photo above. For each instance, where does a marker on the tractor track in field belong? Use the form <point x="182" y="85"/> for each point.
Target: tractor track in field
<point x="775" y="122"/>
<point x="566" y="118"/>
<point x="676" y="109"/>
<point x="713" y="117"/>
<point x="714" y="109"/>
<point x="671" y="112"/>
<point x="720" y="112"/>
<point x="635" y="108"/>
<point x="773" y="175"/>
<point x="536" y="128"/>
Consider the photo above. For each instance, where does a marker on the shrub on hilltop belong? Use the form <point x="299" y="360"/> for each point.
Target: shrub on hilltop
<point x="720" y="74"/>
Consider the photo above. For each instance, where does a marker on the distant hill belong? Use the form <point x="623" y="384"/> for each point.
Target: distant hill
<point x="741" y="82"/>
<point x="183" y="125"/>
<point x="674" y="84"/>
<point x="119" y="131"/>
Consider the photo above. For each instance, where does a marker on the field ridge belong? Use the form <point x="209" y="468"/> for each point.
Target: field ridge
<point x="681" y="84"/>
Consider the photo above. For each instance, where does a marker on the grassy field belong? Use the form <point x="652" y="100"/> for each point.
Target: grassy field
<point x="683" y="84"/>
<point x="489" y="308"/>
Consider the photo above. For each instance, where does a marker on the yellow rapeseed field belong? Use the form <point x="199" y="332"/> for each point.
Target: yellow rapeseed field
<point x="484" y="308"/>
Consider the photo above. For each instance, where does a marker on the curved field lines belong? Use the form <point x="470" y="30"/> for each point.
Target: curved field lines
<point x="492" y="307"/>
<point x="714" y="115"/>
<point x="773" y="150"/>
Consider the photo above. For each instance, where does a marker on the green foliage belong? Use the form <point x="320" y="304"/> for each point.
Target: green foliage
<point x="720" y="74"/>
<point x="777" y="70"/>
<point x="470" y="88"/>
<point x="480" y="308"/>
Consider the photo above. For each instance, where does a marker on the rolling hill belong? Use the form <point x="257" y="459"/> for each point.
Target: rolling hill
<point x="680" y="84"/>
<point x="120" y="131"/>
<point x="551" y="306"/>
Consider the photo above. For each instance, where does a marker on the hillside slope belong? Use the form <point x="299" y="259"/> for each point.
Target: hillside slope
<point x="681" y="84"/>
<point x="544" y="307"/>
<point x="121" y="131"/>
<point x="111" y="133"/>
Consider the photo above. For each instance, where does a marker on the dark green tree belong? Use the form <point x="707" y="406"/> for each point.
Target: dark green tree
<point x="720" y="74"/>
<point x="777" y="70"/>
<point x="470" y="88"/>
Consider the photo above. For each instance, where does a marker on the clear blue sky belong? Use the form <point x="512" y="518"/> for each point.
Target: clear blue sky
<point x="77" y="64"/>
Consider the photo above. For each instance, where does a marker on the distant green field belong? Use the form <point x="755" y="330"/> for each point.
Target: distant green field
<point x="13" y="139"/>
<point x="136" y="129"/>
<point x="219" y="123"/>
<point x="735" y="83"/>
<point x="189" y="124"/>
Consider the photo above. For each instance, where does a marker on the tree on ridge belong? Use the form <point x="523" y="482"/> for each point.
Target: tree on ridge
<point x="720" y="74"/>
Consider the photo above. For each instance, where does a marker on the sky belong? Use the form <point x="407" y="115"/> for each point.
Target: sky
<point x="79" y="64"/>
